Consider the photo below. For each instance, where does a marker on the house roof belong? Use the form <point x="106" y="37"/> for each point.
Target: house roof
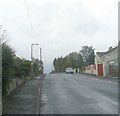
<point x="104" y="53"/>
<point x="100" y="53"/>
<point x="111" y="49"/>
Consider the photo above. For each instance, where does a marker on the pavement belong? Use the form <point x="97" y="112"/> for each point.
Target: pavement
<point x="24" y="100"/>
<point x="78" y="94"/>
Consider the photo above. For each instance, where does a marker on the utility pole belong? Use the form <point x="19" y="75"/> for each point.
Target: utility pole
<point x="32" y="58"/>
<point x="41" y="63"/>
<point x="40" y="54"/>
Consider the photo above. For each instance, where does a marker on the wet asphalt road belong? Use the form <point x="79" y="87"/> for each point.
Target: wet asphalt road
<point x="78" y="94"/>
<point x="64" y="94"/>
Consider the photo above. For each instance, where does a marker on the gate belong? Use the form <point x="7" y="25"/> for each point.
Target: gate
<point x="100" y="69"/>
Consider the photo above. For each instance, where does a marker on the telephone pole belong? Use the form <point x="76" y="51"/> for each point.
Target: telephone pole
<point x="41" y="63"/>
<point x="40" y="54"/>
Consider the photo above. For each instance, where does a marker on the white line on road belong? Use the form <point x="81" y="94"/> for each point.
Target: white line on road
<point x="107" y="81"/>
<point x="103" y="80"/>
<point x="112" y="82"/>
<point x="96" y="79"/>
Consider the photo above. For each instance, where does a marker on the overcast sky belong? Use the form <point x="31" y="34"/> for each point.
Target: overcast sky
<point x="59" y="26"/>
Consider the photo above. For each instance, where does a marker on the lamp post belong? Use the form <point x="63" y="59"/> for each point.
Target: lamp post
<point x="40" y="54"/>
<point x="32" y="51"/>
<point x="41" y="63"/>
<point x="32" y="71"/>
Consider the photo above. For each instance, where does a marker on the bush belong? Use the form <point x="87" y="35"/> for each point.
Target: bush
<point x="7" y="64"/>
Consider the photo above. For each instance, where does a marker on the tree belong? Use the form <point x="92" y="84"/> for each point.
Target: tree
<point x="23" y="67"/>
<point x="73" y="60"/>
<point x="88" y="55"/>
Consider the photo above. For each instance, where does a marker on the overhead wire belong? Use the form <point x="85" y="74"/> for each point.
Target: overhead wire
<point x="30" y="21"/>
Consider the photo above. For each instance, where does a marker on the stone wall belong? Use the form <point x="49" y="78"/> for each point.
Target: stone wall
<point x="14" y="83"/>
<point x="91" y="69"/>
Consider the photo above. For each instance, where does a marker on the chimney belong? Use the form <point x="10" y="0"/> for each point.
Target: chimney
<point x="110" y="47"/>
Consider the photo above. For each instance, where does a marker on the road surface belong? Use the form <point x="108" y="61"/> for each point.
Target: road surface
<point x="64" y="94"/>
<point x="78" y="94"/>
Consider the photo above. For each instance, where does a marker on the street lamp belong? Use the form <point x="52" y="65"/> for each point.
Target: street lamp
<point x="32" y="51"/>
<point x="32" y="71"/>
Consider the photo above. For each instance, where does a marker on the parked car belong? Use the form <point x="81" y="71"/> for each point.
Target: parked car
<point x="69" y="70"/>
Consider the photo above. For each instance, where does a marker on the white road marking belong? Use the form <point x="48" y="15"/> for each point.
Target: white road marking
<point x="109" y="81"/>
<point x="102" y="80"/>
<point x="37" y="77"/>
<point x="96" y="79"/>
<point x="112" y="82"/>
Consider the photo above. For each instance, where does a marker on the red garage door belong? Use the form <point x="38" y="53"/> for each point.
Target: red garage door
<point x="100" y="69"/>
